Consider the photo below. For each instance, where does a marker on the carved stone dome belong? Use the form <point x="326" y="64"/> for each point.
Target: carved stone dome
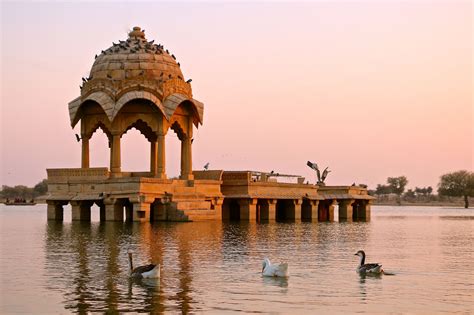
<point x="135" y="69"/>
<point x="134" y="58"/>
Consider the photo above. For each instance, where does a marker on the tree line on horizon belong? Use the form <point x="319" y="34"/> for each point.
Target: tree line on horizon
<point x="24" y="192"/>
<point x="455" y="184"/>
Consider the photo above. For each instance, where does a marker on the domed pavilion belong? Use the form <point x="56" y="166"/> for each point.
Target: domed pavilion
<point x="136" y="83"/>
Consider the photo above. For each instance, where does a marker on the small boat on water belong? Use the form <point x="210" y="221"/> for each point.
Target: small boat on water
<point x="19" y="202"/>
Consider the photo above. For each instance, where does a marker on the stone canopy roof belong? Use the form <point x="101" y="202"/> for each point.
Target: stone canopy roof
<point x="131" y="69"/>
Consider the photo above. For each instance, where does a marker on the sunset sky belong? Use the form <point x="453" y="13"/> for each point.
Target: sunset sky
<point x="370" y="89"/>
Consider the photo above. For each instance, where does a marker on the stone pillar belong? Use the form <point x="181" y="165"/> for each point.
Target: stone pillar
<point x="297" y="208"/>
<point x="153" y="158"/>
<point x="115" y="162"/>
<point x="81" y="210"/>
<point x="101" y="211"/>
<point x="314" y="210"/>
<point x="364" y="210"/>
<point x="272" y="209"/>
<point x="331" y="210"/>
<point x="248" y="209"/>
<point x="55" y="211"/>
<point x="216" y="205"/>
<point x="141" y="211"/>
<point x="161" y="172"/>
<point x="113" y="210"/>
<point x="186" y="158"/>
<point x="346" y="209"/>
<point x="85" y="152"/>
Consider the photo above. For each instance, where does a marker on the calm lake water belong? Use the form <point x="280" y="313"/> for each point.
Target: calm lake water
<point x="213" y="267"/>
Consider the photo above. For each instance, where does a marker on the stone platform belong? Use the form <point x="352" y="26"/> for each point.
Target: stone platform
<point x="211" y="195"/>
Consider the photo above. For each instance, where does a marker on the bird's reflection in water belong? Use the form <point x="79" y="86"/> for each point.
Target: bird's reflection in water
<point x="363" y="276"/>
<point x="276" y="281"/>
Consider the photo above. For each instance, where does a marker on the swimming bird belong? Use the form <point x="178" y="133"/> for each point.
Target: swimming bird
<point x="277" y="270"/>
<point x="374" y="268"/>
<point x="147" y="271"/>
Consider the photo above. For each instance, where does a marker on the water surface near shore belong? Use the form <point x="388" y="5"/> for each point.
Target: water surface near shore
<point x="213" y="267"/>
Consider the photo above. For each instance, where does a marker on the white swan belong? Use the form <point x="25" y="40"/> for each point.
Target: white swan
<point x="373" y="268"/>
<point x="277" y="270"/>
<point x="147" y="271"/>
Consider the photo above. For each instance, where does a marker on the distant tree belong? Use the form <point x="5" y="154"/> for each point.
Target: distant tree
<point x="460" y="183"/>
<point x="410" y="194"/>
<point x="41" y="188"/>
<point x="382" y="190"/>
<point x="397" y="184"/>
<point x="429" y="190"/>
<point x="18" y="191"/>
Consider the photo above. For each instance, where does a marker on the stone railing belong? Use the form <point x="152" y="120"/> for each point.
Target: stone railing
<point x="208" y="175"/>
<point x="238" y="175"/>
<point x="60" y="174"/>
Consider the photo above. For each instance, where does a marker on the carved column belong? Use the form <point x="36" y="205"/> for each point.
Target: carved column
<point x="153" y="157"/>
<point x="85" y="151"/>
<point x="113" y="210"/>
<point x="346" y="209"/>
<point x="314" y="210"/>
<point x="248" y="209"/>
<point x="331" y="210"/>
<point x="272" y="209"/>
<point x="186" y="158"/>
<point x="115" y="162"/>
<point x="297" y="209"/>
<point x="161" y="172"/>
<point x="364" y="210"/>
<point x="81" y="210"/>
<point x="55" y="211"/>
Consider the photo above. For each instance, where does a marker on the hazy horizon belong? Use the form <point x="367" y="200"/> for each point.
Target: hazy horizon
<point x="370" y="89"/>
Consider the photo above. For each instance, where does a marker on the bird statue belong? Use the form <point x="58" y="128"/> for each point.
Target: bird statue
<point x="314" y="166"/>
<point x="146" y="271"/>
<point x="325" y="174"/>
<point x="363" y="268"/>
<point x="276" y="270"/>
<point x="206" y="166"/>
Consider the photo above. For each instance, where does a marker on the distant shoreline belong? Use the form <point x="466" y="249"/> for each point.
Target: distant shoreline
<point x="456" y="204"/>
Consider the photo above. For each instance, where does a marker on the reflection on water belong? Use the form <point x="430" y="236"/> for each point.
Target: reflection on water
<point x="49" y="267"/>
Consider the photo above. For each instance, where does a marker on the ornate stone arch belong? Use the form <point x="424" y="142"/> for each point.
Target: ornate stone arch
<point x="101" y="98"/>
<point x="173" y="101"/>
<point x="127" y="97"/>
<point x="178" y="129"/>
<point x="96" y="126"/>
<point x="94" y="123"/>
<point x="144" y="129"/>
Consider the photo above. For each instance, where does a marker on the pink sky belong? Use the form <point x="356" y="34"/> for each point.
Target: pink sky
<point x="370" y="89"/>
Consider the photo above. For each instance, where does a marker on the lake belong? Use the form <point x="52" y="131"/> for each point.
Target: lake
<point x="214" y="267"/>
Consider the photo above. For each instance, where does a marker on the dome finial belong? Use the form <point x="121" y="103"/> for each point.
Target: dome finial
<point x="137" y="32"/>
